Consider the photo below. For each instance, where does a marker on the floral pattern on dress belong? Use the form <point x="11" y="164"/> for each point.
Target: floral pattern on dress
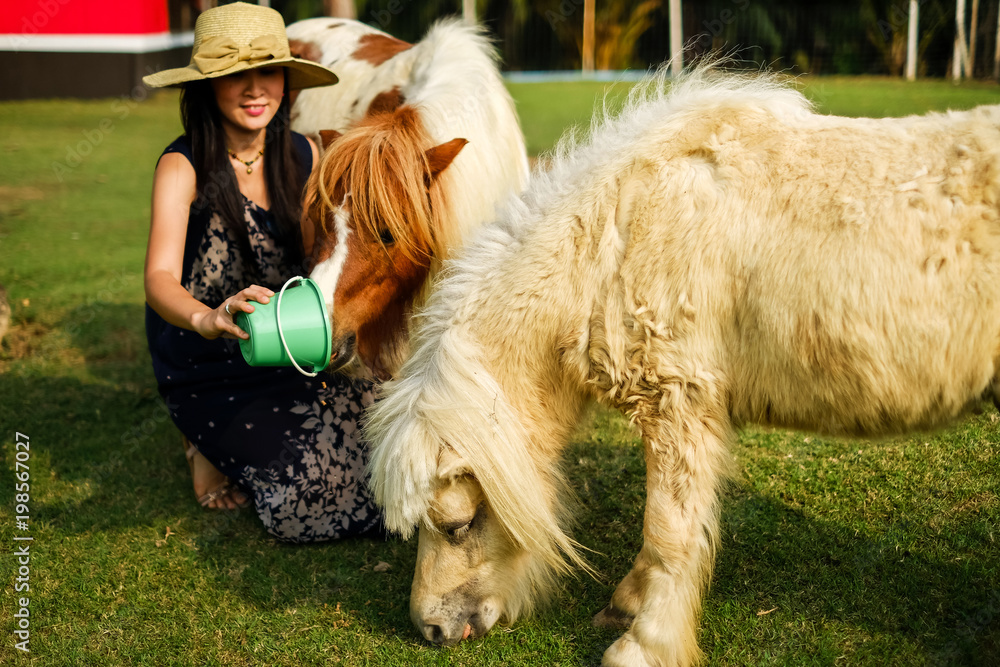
<point x="314" y="488"/>
<point x="218" y="270"/>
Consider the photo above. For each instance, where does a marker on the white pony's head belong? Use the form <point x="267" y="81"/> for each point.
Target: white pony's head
<point x="450" y="455"/>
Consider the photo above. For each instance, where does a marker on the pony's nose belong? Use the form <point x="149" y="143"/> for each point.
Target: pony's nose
<point x="343" y="353"/>
<point x="440" y="636"/>
<point x="434" y="634"/>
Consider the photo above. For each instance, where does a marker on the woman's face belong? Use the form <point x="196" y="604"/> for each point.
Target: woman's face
<point x="249" y="100"/>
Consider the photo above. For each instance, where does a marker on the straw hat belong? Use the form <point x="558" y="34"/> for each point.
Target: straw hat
<point x="238" y="37"/>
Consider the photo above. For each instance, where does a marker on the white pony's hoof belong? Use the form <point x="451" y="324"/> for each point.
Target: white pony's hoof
<point x="613" y="617"/>
<point x="626" y="652"/>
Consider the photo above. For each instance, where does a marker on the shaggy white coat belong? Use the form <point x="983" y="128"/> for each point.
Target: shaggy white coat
<point x="716" y="254"/>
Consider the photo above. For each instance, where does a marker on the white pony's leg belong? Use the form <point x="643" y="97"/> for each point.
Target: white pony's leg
<point x="627" y="598"/>
<point x="685" y="464"/>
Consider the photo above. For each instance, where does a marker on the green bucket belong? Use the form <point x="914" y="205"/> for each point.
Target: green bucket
<point x="292" y="329"/>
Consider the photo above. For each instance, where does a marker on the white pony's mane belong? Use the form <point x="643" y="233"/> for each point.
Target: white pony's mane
<point x="455" y="83"/>
<point x="446" y="397"/>
<point x="660" y="103"/>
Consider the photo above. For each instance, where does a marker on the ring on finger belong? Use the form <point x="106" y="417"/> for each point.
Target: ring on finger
<point x="227" y="310"/>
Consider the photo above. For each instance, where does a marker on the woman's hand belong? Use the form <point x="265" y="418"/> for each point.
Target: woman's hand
<point x="222" y="320"/>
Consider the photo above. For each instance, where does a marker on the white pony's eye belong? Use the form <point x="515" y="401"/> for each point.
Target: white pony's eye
<point x="460" y="532"/>
<point x="456" y="531"/>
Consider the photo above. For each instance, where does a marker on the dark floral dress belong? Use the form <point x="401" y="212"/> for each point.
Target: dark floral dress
<point x="292" y="442"/>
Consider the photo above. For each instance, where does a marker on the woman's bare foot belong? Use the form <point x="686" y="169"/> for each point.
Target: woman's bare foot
<point x="212" y="489"/>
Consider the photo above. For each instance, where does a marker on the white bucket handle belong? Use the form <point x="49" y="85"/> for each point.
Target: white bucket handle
<point x="281" y="334"/>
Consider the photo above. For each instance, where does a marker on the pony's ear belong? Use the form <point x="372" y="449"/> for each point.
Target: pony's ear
<point x="439" y="157"/>
<point x="451" y="465"/>
<point x="327" y="137"/>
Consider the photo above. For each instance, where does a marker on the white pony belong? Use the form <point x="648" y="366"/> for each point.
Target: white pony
<point x="716" y="255"/>
<point x="427" y="146"/>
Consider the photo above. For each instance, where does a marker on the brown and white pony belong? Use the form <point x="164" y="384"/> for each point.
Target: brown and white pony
<point x="716" y="255"/>
<point x="437" y="149"/>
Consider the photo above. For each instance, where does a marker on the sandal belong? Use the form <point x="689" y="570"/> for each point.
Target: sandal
<point x="220" y="492"/>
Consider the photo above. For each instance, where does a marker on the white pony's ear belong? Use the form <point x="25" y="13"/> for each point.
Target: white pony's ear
<point x="451" y="465"/>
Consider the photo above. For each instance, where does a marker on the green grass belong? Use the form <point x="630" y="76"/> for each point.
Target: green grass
<point x="546" y="110"/>
<point x="878" y="96"/>
<point x="833" y="552"/>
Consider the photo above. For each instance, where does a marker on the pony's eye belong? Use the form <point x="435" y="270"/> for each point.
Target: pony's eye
<point x="460" y="532"/>
<point x="385" y="236"/>
<point x="457" y="531"/>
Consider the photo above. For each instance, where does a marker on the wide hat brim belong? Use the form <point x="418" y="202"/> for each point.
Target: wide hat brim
<point x="237" y="37"/>
<point x="301" y="74"/>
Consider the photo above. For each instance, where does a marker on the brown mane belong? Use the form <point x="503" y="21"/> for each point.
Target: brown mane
<point x="382" y="163"/>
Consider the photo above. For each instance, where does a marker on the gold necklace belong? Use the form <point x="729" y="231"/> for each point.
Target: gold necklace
<point x="246" y="162"/>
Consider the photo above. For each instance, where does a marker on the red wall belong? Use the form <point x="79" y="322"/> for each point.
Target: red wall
<point x="83" y="17"/>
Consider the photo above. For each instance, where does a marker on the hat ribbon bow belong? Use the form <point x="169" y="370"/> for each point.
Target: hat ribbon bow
<point x="221" y="53"/>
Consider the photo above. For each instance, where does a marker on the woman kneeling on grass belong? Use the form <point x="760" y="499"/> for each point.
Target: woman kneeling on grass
<point x="225" y="214"/>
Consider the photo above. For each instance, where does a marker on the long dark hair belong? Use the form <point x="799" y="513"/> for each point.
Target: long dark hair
<point x="216" y="181"/>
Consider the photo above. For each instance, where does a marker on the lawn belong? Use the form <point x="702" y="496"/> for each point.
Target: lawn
<point x="834" y="552"/>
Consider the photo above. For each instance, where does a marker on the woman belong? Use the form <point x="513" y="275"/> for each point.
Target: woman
<point x="224" y="234"/>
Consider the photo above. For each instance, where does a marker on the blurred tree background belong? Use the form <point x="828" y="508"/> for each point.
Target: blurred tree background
<point x="817" y="36"/>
